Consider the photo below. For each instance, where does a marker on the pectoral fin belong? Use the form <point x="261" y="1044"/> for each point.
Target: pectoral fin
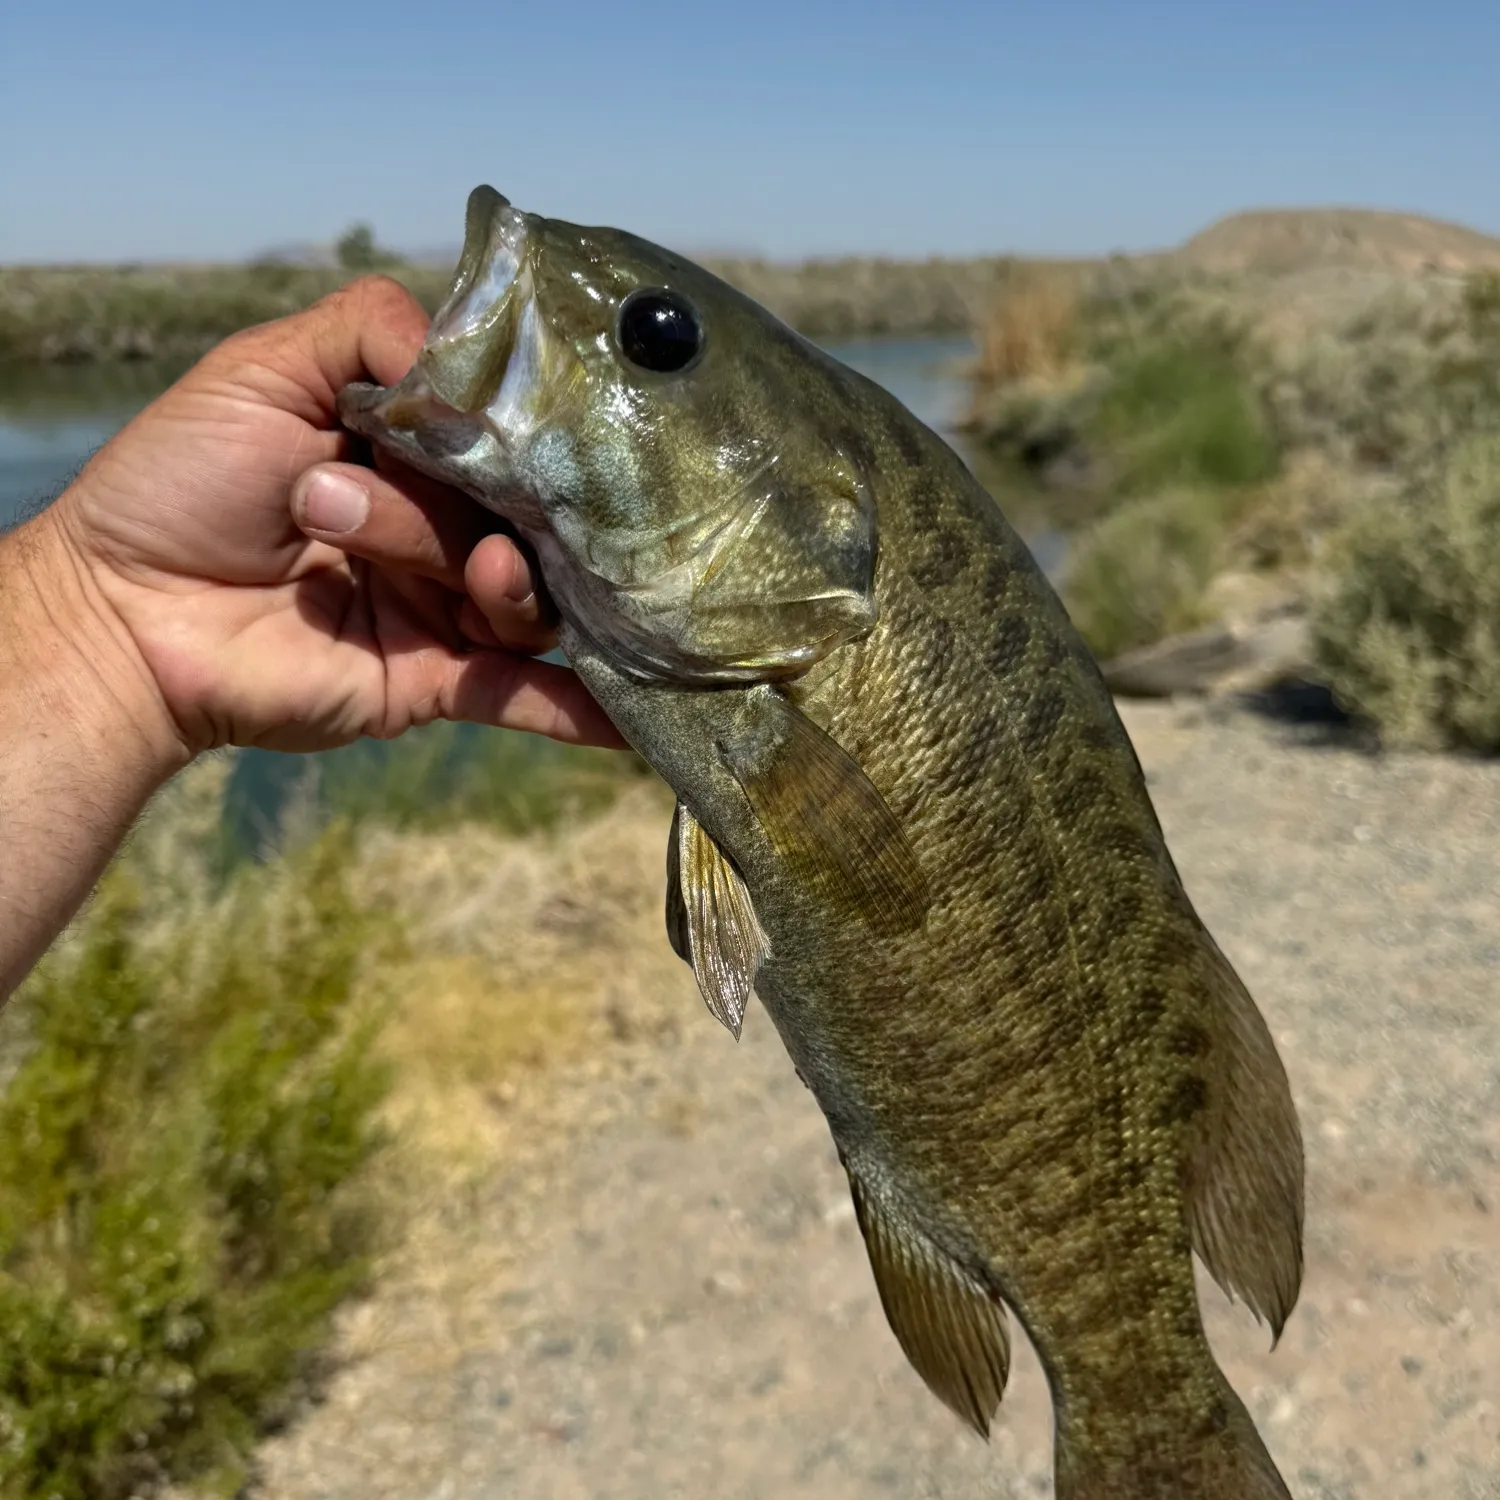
<point x="711" y="920"/>
<point x="950" y="1328"/>
<point x="826" y="819"/>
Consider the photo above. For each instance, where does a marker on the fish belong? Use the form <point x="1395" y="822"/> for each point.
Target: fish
<point x="909" y="821"/>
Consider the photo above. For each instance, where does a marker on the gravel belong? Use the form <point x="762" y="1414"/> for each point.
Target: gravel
<point x="662" y="1292"/>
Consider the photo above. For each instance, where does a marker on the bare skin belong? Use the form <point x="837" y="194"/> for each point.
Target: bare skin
<point x="221" y="574"/>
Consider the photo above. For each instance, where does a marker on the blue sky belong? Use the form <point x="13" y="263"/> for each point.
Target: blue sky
<point x="154" y="130"/>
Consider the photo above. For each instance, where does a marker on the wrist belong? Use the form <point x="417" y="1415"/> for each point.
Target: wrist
<point x="70" y="674"/>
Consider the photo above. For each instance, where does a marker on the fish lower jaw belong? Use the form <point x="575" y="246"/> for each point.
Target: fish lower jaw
<point x="410" y="422"/>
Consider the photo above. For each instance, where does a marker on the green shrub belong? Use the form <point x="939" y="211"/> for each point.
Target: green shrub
<point x="180" y="1207"/>
<point x="1408" y="372"/>
<point x="357" y="251"/>
<point x="1162" y="393"/>
<point x="1133" y="309"/>
<point x="439" y="776"/>
<point x="1140" y="573"/>
<point x="1408" y="627"/>
<point x="1183" y="414"/>
<point x="1482" y="305"/>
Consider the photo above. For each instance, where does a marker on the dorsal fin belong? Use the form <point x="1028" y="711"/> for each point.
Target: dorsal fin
<point x="951" y="1329"/>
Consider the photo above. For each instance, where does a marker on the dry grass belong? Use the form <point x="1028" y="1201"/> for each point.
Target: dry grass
<point x="527" y="953"/>
<point x="1029" y="331"/>
<point x="533" y="961"/>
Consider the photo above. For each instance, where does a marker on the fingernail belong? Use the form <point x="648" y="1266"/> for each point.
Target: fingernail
<point x="520" y="587"/>
<point x="332" y="503"/>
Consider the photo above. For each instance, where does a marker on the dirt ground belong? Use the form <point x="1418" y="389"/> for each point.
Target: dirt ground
<point x="658" y="1289"/>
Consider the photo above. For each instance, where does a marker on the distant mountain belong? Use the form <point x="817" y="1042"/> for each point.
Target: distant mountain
<point x="1279" y="240"/>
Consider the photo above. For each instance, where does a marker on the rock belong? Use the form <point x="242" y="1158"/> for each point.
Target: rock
<point x="1189" y="663"/>
<point x="1276" y="648"/>
<point x="1248" y="659"/>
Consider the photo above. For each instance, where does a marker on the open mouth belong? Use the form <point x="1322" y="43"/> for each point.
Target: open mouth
<point x="465" y="359"/>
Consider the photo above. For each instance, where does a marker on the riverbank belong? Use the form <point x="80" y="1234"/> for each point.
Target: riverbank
<point x="651" y="1283"/>
<point x="117" y="315"/>
<point x="1288" y="475"/>
<point x="102" y="315"/>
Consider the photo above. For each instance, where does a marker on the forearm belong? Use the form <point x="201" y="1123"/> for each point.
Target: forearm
<point x="82" y="743"/>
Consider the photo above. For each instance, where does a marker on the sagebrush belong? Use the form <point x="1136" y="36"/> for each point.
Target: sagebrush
<point x="1407" y="628"/>
<point x="190" y="1110"/>
<point x="1141" y="572"/>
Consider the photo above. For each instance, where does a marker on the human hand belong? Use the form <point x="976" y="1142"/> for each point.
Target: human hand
<point x="216" y="612"/>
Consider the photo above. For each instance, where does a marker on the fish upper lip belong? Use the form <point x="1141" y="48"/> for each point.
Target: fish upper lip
<point x="494" y="257"/>
<point x="468" y="348"/>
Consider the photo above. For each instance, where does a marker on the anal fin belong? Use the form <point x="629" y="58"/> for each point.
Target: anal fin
<point x="950" y="1328"/>
<point x="711" y="920"/>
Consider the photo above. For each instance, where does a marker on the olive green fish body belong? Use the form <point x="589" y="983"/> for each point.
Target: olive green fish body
<point x="1024" y="1082"/>
<point x="909" y="817"/>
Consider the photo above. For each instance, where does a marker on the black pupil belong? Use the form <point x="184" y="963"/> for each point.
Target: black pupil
<point x="659" y="331"/>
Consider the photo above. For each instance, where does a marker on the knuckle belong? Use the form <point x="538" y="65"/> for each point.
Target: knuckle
<point x="371" y="291"/>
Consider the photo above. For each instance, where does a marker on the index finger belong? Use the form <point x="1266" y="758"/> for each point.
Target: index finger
<point x="370" y="329"/>
<point x="372" y="326"/>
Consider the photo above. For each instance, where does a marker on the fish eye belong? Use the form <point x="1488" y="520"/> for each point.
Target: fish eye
<point x="659" y="330"/>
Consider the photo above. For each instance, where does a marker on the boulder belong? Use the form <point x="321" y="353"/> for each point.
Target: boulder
<point x="1247" y="658"/>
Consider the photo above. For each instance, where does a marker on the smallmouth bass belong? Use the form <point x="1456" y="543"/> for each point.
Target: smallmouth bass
<point x="908" y="819"/>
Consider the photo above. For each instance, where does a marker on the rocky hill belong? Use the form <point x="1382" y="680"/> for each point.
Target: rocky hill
<point x="1300" y="239"/>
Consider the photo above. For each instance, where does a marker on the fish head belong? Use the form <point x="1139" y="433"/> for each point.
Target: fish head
<point x="662" y="443"/>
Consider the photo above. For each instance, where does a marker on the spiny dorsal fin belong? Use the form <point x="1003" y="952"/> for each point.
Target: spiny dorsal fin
<point x="711" y="920"/>
<point x="1245" y="1179"/>
<point x="953" y="1332"/>
<point x="827" y="820"/>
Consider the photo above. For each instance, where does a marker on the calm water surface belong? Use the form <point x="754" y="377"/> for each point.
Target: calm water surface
<point x="48" y="430"/>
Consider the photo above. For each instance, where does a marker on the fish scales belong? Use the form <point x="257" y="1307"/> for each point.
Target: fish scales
<point x="1053" y="895"/>
<point x="910" y="817"/>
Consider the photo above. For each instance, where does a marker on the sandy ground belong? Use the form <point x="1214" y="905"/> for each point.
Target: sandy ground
<point x="658" y="1290"/>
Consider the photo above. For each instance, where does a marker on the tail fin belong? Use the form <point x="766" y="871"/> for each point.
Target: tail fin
<point x="1224" y="1460"/>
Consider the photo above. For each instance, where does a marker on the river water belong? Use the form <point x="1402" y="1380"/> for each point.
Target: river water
<point x="48" y="428"/>
<point x="50" y="424"/>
